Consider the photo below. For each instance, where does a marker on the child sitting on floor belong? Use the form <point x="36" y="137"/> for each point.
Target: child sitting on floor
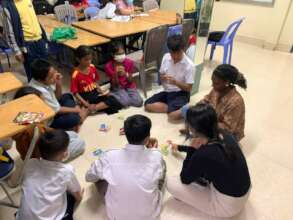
<point x="50" y="188"/>
<point x="85" y="87"/>
<point x="131" y="179"/>
<point x="23" y="139"/>
<point x="49" y="82"/>
<point x="177" y="76"/>
<point x="120" y="70"/>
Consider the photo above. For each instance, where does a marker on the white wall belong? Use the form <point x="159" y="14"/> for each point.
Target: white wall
<point x="262" y="24"/>
<point x="172" y="5"/>
<point x="287" y="34"/>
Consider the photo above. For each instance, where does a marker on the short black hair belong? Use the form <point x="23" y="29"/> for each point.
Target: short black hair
<point x="52" y="143"/>
<point x="175" y="43"/>
<point x="137" y="128"/>
<point x="81" y="52"/>
<point x="27" y="90"/>
<point x="231" y="75"/>
<point x="40" y="69"/>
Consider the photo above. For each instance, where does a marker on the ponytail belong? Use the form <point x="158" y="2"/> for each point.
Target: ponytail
<point x="231" y="75"/>
<point x="241" y="81"/>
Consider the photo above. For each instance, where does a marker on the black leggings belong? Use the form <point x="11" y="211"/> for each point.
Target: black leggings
<point x="94" y="98"/>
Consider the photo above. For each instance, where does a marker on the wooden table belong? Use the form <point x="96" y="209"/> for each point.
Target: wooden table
<point x="160" y="17"/>
<point x="9" y="82"/>
<point x="49" y="22"/>
<point x="8" y="112"/>
<point x="114" y="29"/>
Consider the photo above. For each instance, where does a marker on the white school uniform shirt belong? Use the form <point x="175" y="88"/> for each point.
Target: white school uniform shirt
<point x="76" y="145"/>
<point x="44" y="190"/>
<point x="107" y="12"/>
<point x="48" y="93"/>
<point x="133" y="176"/>
<point x="182" y="71"/>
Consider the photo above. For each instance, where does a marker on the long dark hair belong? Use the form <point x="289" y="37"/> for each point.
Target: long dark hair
<point x="80" y="52"/>
<point x="231" y="75"/>
<point x="203" y="119"/>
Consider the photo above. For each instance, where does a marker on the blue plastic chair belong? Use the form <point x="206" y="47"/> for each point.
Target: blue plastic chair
<point x="91" y="12"/>
<point x="226" y="41"/>
<point x="6" y="168"/>
<point x="94" y="3"/>
<point x="7" y="53"/>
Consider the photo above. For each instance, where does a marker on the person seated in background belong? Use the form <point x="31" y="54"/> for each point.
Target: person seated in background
<point x="226" y="100"/>
<point x="76" y="144"/>
<point x="85" y="88"/>
<point x="177" y="76"/>
<point x="125" y="7"/>
<point x="108" y="11"/>
<point x="50" y="188"/>
<point x="131" y="179"/>
<point x="120" y="69"/>
<point x="214" y="178"/>
<point x="48" y="81"/>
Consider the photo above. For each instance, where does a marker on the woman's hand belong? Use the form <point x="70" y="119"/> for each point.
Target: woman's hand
<point x="174" y="147"/>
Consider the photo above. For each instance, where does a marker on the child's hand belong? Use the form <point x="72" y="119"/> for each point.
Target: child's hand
<point x="58" y="78"/>
<point x="92" y="107"/>
<point x="120" y="70"/>
<point x="171" y="80"/>
<point x="163" y="77"/>
<point x="152" y="143"/>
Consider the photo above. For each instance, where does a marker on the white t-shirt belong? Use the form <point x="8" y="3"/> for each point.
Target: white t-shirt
<point x="107" y="12"/>
<point x="44" y="190"/>
<point x="182" y="71"/>
<point x="133" y="175"/>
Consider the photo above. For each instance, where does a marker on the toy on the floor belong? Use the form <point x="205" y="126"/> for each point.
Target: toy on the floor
<point x="164" y="149"/>
<point x="97" y="152"/>
<point x="104" y="127"/>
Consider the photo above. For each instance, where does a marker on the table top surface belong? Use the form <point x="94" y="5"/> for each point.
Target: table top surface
<point x="8" y="112"/>
<point x="115" y="29"/>
<point x="9" y="82"/>
<point x="49" y="22"/>
<point x="160" y="17"/>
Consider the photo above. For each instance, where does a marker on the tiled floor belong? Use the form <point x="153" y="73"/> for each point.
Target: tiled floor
<point x="267" y="145"/>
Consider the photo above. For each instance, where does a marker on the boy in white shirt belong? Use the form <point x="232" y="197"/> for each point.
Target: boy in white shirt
<point x="133" y="175"/>
<point x="50" y="188"/>
<point x="177" y="76"/>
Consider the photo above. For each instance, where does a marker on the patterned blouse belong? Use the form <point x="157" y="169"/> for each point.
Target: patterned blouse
<point x="230" y="109"/>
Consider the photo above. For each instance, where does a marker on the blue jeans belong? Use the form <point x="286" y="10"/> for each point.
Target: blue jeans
<point x="66" y="121"/>
<point x="35" y="50"/>
<point x="184" y="110"/>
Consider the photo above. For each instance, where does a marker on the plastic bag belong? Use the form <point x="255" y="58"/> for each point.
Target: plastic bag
<point x="63" y="33"/>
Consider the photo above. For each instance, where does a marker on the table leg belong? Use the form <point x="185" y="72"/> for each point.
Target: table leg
<point x="29" y="153"/>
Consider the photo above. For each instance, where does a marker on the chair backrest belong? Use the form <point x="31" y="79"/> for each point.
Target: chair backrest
<point x="66" y="13"/>
<point x="187" y="29"/>
<point x="91" y="12"/>
<point x="153" y="47"/>
<point x="94" y="3"/>
<point x="150" y="5"/>
<point x="231" y="31"/>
